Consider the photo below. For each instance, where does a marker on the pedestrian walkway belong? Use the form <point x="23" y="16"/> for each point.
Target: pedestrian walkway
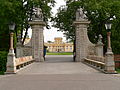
<point x="58" y="64"/>
<point x="59" y="73"/>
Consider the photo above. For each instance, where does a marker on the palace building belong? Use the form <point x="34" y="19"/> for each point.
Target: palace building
<point x="59" y="46"/>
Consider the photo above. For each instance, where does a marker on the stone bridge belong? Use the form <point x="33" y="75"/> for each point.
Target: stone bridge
<point x="59" y="73"/>
<point x="85" y="51"/>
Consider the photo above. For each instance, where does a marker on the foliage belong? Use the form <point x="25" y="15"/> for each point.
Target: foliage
<point x="3" y="60"/>
<point x="118" y="70"/>
<point x="49" y="41"/>
<point x="64" y="19"/>
<point x="20" y="12"/>
<point x="98" y="12"/>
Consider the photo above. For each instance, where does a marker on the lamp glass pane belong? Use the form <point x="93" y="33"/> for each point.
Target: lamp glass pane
<point x="12" y="26"/>
<point x="108" y="26"/>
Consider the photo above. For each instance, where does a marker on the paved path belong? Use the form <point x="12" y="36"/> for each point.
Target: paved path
<point x="65" y="75"/>
<point x="58" y="65"/>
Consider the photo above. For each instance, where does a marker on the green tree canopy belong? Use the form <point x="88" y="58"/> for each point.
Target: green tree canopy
<point x="20" y="12"/>
<point x="98" y="12"/>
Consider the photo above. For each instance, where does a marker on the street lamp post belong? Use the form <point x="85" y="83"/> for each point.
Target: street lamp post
<point x="109" y="56"/>
<point x="11" y="28"/>
<point x="11" y="67"/>
<point x="108" y="28"/>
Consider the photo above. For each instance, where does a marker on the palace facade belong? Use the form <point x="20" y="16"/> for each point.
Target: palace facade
<point x="59" y="46"/>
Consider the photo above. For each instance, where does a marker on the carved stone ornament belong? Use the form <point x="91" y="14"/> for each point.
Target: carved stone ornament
<point x="100" y="39"/>
<point x="37" y="14"/>
<point x="80" y="16"/>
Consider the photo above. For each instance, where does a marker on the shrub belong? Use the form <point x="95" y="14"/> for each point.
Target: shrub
<point x="3" y="60"/>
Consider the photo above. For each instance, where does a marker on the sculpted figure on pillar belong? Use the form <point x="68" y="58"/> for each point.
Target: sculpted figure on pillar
<point x="100" y="39"/>
<point x="80" y="16"/>
<point x="37" y="14"/>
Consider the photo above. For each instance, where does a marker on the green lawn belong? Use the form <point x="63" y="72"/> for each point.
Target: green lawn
<point x="60" y="53"/>
<point x="118" y="70"/>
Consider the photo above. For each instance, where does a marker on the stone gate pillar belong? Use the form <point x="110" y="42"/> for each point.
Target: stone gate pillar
<point x="81" y="39"/>
<point x="37" y="40"/>
<point x="37" y="25"/>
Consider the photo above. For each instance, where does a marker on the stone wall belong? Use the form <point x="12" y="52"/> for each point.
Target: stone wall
<point x="27" y="50"/>
<point x="23" y="50"/>
<point x="83" y="45"/>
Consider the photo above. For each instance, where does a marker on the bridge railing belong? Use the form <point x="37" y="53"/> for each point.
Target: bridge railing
<point x="23" y="61"/>
<point x="104" y="64"/>
<point x="15" y="64"/>
<point x="96" y="62"/>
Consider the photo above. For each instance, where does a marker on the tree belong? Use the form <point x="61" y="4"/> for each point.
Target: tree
<point x="46" y="9"/>
<point x="20" y="12"/>
<point x="49" y="41"/>
<point x="98" y="12"/>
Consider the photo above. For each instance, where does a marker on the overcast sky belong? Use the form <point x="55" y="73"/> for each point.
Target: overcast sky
<point x="50" y="34"/>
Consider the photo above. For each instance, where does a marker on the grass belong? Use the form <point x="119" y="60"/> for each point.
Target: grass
<point x="118" y="70"/>
<point x="60" y="53"/>
<point x="1" y="73"/>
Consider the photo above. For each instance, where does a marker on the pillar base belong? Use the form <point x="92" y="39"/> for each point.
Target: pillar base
<point x="78" y="60"/>
<point x="111" y="72"/>
<point x="39" y="60"/>
<point x="109" y="63"/>
<point x="8" y="72"/>
<point x="11" y="67"/>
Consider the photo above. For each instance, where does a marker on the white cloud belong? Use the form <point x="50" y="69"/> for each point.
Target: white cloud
<point x="50" y="34"/>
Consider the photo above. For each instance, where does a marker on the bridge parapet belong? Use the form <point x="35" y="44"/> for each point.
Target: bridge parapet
<point x="18" y="64"/>
<point x="97" y="58"/>
<point x="100" y="63"/>
<point x="23" y="61"/>
<point x="97" y="62"/>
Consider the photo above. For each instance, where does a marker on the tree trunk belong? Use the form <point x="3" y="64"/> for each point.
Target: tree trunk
<point x="25" y="34"/>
